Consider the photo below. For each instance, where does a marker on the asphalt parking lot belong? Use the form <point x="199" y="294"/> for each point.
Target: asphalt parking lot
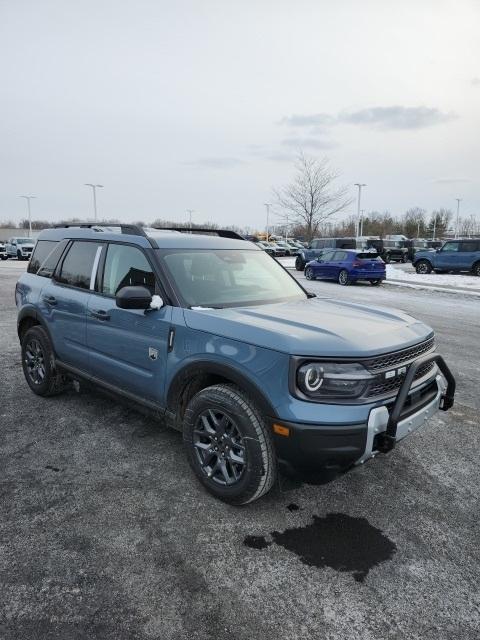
<point x="105" y="533"/>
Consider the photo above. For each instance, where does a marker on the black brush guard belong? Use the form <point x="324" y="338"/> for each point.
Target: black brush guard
<point x="386" y="440"/>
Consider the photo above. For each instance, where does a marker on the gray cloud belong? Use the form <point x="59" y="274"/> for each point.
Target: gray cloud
<point x="451" y="180"/>
<point x="397" y="117"/>
<point x="216" y="163"/>
<point x="311" y="120"/>
<point x="393" y="117"/>
<point x="281" y="157"/>
<point x="476" y="82"/>
<point x="308" y="143"/>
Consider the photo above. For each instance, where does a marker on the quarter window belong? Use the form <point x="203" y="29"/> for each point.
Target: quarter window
<point x="41" y="251"/>
<point x="76" y="270"/>
<point x="126" y="266"/>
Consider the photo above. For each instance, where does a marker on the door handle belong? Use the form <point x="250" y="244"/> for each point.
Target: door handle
<point x="50" y="300"/>
<point x="100" y="314"/>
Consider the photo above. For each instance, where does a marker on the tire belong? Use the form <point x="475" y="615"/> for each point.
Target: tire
<point x="343" y="278"/>
<point x="423" y="267"/>
<point x="404" y="259"/>
<point x="225" y="410"/>
<point x="386" y="259"/>
<point x="38" y="363"/>
<point x="476" y="269"/>
<point x="19" y="255"/>
<point x="375" y="283"/>
<point x="299" y="264"/>
<point x="4" y="257"/>
<point x="309" y="273"/>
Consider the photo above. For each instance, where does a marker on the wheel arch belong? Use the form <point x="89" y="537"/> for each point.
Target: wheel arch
<point x="28" y="317"/>
<point x="199" y="374"/>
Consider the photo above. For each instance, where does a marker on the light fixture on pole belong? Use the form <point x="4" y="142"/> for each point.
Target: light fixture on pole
<point x="28" y="198"/>
<point x="190" y="211"/>
<point x="94" y="189"/>
<point x="458" y="216"/>
<point x="359" y="185"/>
<point x="267" y="207"/>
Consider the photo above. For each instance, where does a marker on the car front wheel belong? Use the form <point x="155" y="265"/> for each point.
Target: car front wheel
<point x="228" y="444"/>
<point x="343" y="277"/>
<point x="299" y="265"/>
<point x="309" y="273"/>
<point x="423" y="267"/>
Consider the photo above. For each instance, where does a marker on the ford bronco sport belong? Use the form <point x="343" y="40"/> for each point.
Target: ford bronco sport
<point x="227" y="346"/>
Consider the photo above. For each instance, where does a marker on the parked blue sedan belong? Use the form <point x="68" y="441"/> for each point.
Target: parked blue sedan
<point x="347" y="266"/>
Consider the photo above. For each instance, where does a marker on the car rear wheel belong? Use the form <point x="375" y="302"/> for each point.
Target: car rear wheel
<point x="423" y="267"/>
<point x="229" y="446"/>
<point x="404" y="258"/>
<point x="299" y="264"/>
<point x="476" y="269"/>
<point x="309" y="273"/>
<point x="343" y="277"/>
<point x="38" y="363"/>
<point x="386" y="259"/>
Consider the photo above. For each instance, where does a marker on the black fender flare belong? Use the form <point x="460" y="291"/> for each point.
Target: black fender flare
<point x="29" y="311"/>
<point x="227" y="371"/>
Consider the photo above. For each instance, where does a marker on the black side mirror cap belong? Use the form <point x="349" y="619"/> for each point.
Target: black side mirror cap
<point x="133" y="298"/>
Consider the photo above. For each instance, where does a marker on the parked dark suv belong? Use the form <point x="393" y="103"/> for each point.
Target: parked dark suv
<point x="220" y="340"/>
<point x="454" y="255"/>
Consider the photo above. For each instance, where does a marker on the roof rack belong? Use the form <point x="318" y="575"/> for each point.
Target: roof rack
<point x="221" y="233"/>
<point x="130" y="229"/>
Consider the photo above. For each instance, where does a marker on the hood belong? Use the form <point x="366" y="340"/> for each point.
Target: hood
<point x="313" y="327"/>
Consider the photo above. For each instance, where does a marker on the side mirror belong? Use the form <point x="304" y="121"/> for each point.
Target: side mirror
<point x="133" y="298"/>
<point x="319" y="260"/>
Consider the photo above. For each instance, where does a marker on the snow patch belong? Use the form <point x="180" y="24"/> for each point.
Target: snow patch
<point x="447" y="279"/>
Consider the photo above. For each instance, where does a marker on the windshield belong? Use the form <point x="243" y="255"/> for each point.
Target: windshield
<point x="229" y="278"/>
<point x="24" y="241"/>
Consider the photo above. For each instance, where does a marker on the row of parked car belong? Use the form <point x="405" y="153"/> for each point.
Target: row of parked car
<point x="17" y="247"/>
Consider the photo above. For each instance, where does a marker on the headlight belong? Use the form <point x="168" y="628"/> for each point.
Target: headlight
<point x="332" y="379"/>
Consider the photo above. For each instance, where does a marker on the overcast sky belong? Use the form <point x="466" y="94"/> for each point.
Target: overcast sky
<point x="183" y="104"/>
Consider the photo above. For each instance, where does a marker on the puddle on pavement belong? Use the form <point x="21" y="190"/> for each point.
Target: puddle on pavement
<point x="337" y="541"/>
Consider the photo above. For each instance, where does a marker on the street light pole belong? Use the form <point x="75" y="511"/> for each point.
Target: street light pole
<point x="267" y="206"/>
<point x="94" y="189"/>
<point x="28" y="198"/>
<point x="458" y="216"/>
<point x="359" y="185"/>
<point x="190" y="211"/>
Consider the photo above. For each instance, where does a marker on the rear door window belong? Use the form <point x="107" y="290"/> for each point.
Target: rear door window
<point x="42" y="249"/>
<point x="468" y="247"/>
<point x="77" y="267"/>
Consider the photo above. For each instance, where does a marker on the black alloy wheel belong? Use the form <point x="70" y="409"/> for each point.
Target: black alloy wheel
<point x="35" y="361"/>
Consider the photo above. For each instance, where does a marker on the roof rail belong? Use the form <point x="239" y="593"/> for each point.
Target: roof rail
<point x="130" y="229"/>
<point x="221" y="233"/>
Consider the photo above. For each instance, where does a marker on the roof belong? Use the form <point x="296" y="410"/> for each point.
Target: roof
<point x="147" y="237"/>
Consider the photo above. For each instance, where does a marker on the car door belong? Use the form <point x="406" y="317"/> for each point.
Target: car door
<point x="128" y="348"/>
<point x="64" y="299"/>
<point x="322" y="267"/>
<point x="467" y="254"/>
<point x="337" y="264"/>
<point x="448" y="257"/>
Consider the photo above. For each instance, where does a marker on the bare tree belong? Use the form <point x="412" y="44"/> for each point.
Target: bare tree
<point x="312" y="197"/>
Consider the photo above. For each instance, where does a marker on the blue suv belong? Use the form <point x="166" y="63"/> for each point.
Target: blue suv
<point x="454" y="255"/>
<point x="223" y="343"/>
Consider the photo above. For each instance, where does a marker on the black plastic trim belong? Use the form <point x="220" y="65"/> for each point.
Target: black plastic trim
<point x="387" y="440"/>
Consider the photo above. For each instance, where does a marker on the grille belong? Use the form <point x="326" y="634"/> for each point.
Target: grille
<point x="381" y="387"/>
<point x="400" y="357"/>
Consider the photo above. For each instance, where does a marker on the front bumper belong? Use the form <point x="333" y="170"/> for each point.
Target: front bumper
<point x="341" y="446"/>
